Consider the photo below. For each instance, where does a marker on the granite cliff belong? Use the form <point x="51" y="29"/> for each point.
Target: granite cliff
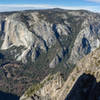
<point x="36" y="43"/>
<point x="38" y="31"/>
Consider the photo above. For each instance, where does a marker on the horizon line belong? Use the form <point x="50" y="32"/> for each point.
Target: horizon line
<point x="21" y="7"/>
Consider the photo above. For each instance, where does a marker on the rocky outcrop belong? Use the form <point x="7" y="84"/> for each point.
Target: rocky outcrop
<point x="86" y="88"/>
<point x="48" y="89"/>
<point x="87" y="67"/>
<point x="81" y="84"/>
<point x="87" y="39"/>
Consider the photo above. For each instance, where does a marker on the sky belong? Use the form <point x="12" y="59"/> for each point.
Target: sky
<point x="15" y="5"/>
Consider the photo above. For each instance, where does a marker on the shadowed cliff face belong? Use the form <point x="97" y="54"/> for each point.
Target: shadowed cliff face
<point x="85" y="88"/>
<point x="8" y="96"/>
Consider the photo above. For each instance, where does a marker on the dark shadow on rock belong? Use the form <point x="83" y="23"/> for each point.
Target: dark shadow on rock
<point x="2" y="26"/>
<point x="1" y="56"/>
<point x="8" y="96"/>
<point x="55" y="31"/>
<point x="86" y="88"/>
<point x="86" y="45"/>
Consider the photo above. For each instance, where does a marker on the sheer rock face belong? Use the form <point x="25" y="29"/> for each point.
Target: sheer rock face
<point x="29" y="31"/>
<point x="16" y="34"/>
<point x="87" y="39"/>
<point x="40" y="29"/>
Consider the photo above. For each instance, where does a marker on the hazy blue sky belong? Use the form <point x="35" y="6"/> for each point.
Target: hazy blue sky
<point x="9" y="5"/>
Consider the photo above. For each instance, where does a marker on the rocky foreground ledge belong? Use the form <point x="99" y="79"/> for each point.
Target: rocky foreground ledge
<point x="82" y="83"/>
